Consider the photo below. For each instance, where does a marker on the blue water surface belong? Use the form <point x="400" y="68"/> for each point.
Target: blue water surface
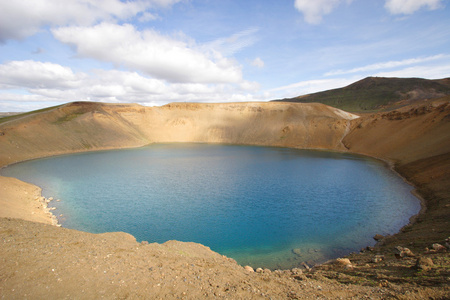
<point x="263" y="206"/>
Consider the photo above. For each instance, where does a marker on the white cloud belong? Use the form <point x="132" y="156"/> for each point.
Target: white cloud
<point x="131" y="81"/>
<point x="150" y="52"/>
<point x="146" y="17"/>
<point x="230" y="45"/>
<point x="430" y="72"/>
<point x="258" y="62"/>
<point x="22" y="18"/>
<point x="314" y="10"/>
<point x="34" y="74"/>
<point x="410" y="6"/>
<point x="31" y="82"/>
<point x="388" y="65"/>
<point x="250" y="86"/>
<point x="309" y="86"/>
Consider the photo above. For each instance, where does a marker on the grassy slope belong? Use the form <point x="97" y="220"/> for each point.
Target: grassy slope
<point x="378" y="93"/>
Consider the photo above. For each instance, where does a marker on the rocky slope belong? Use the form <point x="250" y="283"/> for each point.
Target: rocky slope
<point x="38" y="260"/>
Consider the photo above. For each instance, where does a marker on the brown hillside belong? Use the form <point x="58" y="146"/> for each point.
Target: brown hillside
<point x="40" y="260"/>
<point x="84" y="126"/>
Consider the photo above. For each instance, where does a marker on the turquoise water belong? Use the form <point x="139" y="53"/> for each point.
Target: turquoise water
<point x="265" y="207"/>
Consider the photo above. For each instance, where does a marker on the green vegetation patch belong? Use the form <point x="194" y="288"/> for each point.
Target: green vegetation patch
<point x="21" y="115"/>
<point x="68" y="117"/>
<point x="377" y="93"/>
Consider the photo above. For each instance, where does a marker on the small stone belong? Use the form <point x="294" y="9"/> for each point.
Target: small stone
<point x="438" y="247"/>
<point x="296" y="271"/>
<point x="249" y="269"/>
<point x="144" y="243"/>
<point x="259" y="270"/>
<point x="401" y="252"/>
<point x="297" y="251"/>
<point x="384" y="283"/>
<point x="424" y="263"/>
<point x="342" y="261"/>
<point x="378" y="237"/>
<point x="306" y="266"/>
<point x="377" y="258"/>
<point x="267" y="271"/>
<point x="348" y="267"/>
<point x="408" y="252"/>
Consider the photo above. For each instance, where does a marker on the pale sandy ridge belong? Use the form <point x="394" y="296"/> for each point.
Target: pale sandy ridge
<point x="91" y="126"/>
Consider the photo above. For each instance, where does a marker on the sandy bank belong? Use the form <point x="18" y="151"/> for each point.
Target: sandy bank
<point x="22" y="200"/>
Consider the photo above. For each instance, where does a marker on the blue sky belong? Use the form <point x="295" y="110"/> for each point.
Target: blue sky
<point x="153" y="52"/>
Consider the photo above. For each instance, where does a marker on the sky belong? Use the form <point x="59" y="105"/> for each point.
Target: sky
<point x="153" y="52"/>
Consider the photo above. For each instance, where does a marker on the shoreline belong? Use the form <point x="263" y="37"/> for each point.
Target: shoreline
<point x="53" y="220"/>
<point x="23" y="200"/>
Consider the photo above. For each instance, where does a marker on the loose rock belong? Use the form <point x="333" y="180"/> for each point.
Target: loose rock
<point x="377" y="258"/>
<point x="424" y="263"/>
<point x="296" y="271"/>
<point x="447" y="243"/>
<point x="249" y="269"/>
<point x="344" y="262"/>
<point x="378" y="237"/>
<point x="306" y="266"/>
<point x="438" y="247"/>
<point x="297" y="251"/>
<point x="401" y="252"/>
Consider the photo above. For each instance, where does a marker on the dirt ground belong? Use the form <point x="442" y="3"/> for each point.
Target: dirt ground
<point x="41" y="261"/>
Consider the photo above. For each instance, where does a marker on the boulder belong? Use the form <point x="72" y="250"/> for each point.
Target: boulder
<point x="377" y="258"/>
<point x="424" y="263"/>
<point x="401" y="252"/>
<point x="306" y="266"/>
<point x="447" y="243"/>
<point x="378" y="237"/>
<point x="343" y="262"/>
<point x="296" y="271"/>
<point x="297" y="251"/>
<point x="249" y="269"/>
<point x="438" y="247"/>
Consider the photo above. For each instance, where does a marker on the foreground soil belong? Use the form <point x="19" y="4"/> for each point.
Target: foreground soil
<point x="39" y="260"/>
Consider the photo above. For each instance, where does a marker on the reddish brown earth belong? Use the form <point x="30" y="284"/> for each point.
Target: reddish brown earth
<point x="40" y="260"/>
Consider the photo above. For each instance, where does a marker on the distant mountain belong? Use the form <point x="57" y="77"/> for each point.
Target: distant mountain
<point x="378" y="93"/>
